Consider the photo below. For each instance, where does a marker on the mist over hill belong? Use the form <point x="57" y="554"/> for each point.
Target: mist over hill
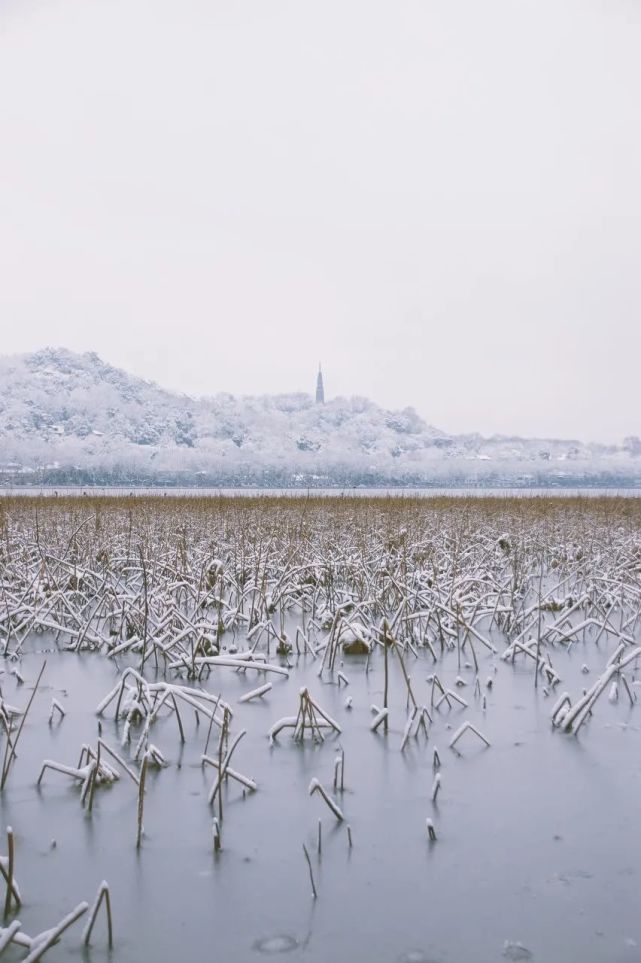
<point x="69" y="418"/>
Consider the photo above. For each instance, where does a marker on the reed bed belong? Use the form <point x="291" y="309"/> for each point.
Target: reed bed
<point x="177" y="594"/>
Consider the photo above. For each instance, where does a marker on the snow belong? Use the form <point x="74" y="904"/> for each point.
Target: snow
<point x="467" y="727"/>
<point x="255" y="693"/>
<point x="378" y="718"/>
<point x="436" y="785"/>
<point x="92" y="423"/>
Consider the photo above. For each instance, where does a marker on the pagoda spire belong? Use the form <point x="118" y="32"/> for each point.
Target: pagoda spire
<point x="320" y="389"/>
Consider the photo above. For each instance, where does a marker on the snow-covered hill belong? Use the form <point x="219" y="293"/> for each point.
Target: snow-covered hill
<point x="67" y="417"/>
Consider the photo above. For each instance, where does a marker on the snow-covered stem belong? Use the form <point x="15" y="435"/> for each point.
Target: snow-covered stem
<point x="141" y="799"/>
<point x="56" y="707"/>
<point x="216" y="835"/>
<point x="467" y="727"/>
<point x="102" y="895"/>
<point x="10" y="746"/>
<point x="9" y="934"/>
<point x="222" y="768"/>
<point x="4" y="867"/>
<point x="378" y="719"/>
<point x="238" y="776"/>
<point x="43" y="942"/>
<point x="221" y="660"/>
<point x="315" y="786"/>
<point x="311" y="874"/>
<point x="578" y="713"/>
<point x="436" y="786"/>
<point x="255" y="693"/>
<point x="10" y="861"/>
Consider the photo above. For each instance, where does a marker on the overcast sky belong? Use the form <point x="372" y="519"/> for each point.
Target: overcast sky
<point x="439" y="199"/>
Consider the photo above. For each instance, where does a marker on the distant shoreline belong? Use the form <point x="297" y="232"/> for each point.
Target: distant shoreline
<point x="89" y="491"/>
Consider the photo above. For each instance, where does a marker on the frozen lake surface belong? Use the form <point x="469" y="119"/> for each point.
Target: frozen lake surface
<point x="538" y="838"/>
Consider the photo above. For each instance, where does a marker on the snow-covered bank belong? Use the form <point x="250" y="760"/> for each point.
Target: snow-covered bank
<point x="70" y="419"/>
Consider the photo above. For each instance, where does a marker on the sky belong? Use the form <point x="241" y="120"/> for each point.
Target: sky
<point x="438" y="199"/>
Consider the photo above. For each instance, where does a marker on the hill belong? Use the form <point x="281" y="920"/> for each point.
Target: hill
<point x="72" y="418"/>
